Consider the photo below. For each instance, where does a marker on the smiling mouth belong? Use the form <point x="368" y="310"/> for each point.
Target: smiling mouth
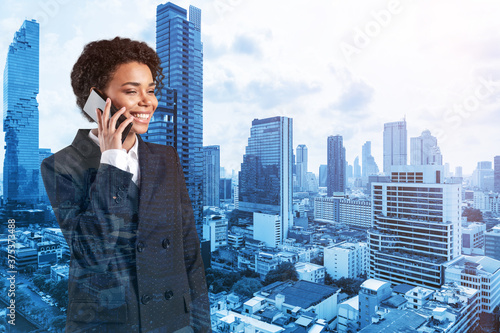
<point x="143" y="116"/>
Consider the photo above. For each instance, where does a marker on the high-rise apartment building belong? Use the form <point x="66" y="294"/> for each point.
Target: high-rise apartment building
<point x="301" y="167"/>
<point x="346" y="260"/>
<point x="179" y="118"/>
<point x="20" y="117"/>
<point x="211" y="176"/>
<point x="336" y="181"/>
<point x="416" y="226"/>
<point x="424" y="150"/>
<point x="496" y="174"/>
<point x="395" y="145"/>
<point x="483" y="176"/>
<point x="323" y="172"/>
<point x="265" y="179"/>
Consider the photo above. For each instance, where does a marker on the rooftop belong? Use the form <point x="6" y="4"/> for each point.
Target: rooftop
<point x="397" y="321"/>
<point x="302" y="293"/>
<point x="373" y="284"/>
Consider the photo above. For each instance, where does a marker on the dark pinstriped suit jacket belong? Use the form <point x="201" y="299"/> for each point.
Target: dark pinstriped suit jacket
<point x="135" y="256"/>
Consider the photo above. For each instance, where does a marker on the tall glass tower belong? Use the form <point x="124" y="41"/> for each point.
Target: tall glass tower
<point x="301" y="170"/>
<point x="336" y="166"/>
<point x="20" y="117"/>
<point x="395" y="145"/>
<point x="211" y="176"/>
<point x="178" y="43"/>
<point x="265" y="179"/>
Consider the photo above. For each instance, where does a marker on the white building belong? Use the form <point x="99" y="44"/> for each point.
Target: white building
<point x="267" y="228"/>
<point x="492" y="243"/>
<point x="478" y="272"/>
<point x="355" y="213"/>
<point x="215" y="230"/>
<point x="487" y="202"/>
<point x="326" y="209"/>
<point x="348" y="315"/>
<point x="348" y="260"/>
<point x="310" y="272"/>
<point x="418" y="296"/>
<point x="416" y="226"/>
<point x="473" y="238"/>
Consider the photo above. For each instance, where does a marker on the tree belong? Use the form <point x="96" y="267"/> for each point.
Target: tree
<point x="247" y="286"/>
<point x="472" y="214"/>
<point x="284" y="272"/>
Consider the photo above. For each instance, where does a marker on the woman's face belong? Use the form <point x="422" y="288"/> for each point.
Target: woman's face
<point x="132" y="87"/>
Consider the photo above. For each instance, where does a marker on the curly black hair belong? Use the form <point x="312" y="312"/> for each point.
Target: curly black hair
<point x="100" y="59"/>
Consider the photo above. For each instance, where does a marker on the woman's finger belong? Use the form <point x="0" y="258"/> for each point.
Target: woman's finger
<point x="123" y="125"/>
<point x="114" y="118"/>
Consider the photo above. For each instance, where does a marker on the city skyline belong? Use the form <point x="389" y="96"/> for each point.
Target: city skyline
<point x="253" y="70"/>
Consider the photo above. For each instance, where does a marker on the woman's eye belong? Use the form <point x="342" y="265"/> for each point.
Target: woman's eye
<point x="130" y="92"/>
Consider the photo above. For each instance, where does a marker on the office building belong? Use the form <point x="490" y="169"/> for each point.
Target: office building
<point x="424" y="150"/>
<point x="265" y="179"/>
<point x="352" y="212"/>
<point x="311" y="272"/>
<point x="416" y="226"/>
<point x="323" y="171"/>
<point x="369" y="166"/>
<point x="487" y="201"/>
<point x="458" y="172"/>
<point x="492" y="243"/>
<point x="179" y="117"/>
<point x="301" y="167"/>
<point x="211" y="176"/>
<point x="480" y="273"/>
<point x="395" y="145"/>
<point x="357" y="168"/>
<point x="267" y="228"/>
<point x="483" y="176"/>
<point x="225" y="189"/>
<point x="336" y="181"/>
<point x="496" y="174"/>
<point x="43" y="197"/>
<point x="346" y="260"/>
<point x="20" y="118"/>
<point x="473" y="238"/>
<point x="215" y="230"/>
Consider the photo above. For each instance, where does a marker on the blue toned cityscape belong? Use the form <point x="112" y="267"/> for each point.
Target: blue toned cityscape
<point x="342" y="160"/>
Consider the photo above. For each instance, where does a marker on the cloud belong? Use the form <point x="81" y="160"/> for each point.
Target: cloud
<point x="356" y="96"/>
<point x="246" y="45"/>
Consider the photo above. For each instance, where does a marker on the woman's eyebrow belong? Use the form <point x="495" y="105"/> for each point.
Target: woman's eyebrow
<point x="136" y="84"/>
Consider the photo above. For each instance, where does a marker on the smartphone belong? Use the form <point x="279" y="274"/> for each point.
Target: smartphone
<point x="97" y="100"/>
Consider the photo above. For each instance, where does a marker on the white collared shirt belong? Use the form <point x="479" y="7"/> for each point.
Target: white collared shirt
<point x="120" y="158"/>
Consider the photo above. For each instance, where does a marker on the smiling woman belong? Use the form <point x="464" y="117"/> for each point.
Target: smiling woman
<point x="123" y="207"/>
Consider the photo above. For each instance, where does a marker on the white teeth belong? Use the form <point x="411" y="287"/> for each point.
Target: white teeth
<point x="141" y="115"/>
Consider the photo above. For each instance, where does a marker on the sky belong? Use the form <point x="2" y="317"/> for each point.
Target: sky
<point x="335" y="67"/>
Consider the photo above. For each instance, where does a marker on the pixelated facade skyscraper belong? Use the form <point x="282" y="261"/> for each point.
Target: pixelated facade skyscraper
<point x="336" y="181"/>
<point x="265" y="179"/>
<point x="179" y="119"/>
<point x="20" y="117"/>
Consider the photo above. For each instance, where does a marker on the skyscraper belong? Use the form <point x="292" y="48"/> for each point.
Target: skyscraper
<point x="395" y="145"/>
<point x="424" y="150"/>
<point x="301" y="170"/>
<point x="416" y="226"/>
<point x="179" y="117"/>
<point x="336" y="165"/>
<point x="496" y="174"/>
<point x="211" y="176"/>
<point x="323" y="171"/>
<point x="265" y="179"/>
<point x="357" y="168"/>
<point x="369" y="166"/>
<point x="20" y="117"/>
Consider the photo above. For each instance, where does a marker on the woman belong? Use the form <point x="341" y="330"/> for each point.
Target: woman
<point x="124" y="208"/>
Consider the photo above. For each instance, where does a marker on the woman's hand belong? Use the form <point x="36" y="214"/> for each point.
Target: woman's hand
<point x="110" y="137"/>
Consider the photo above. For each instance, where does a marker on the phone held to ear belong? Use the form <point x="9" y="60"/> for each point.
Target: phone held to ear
<point x="97" y="100"/>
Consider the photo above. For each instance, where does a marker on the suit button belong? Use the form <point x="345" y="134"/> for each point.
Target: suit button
<point x="118" y="200"/>
<point x="140" y="247"/>
<point x="145" y="299"/>
<point x="169" y="294"/>
<point x="165" y="243"/>
<point x="121" y="194"/>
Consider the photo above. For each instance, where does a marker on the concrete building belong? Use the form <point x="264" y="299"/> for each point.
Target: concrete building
<point x="492" y="243"/>
<point x="487" y="201"/>
<point x="336" y="174"/>
<point x="348" y="260"/>
<point x="215" y="230"/>
<point x="267" y="228"/>
<point x="473" y="238"/>
<point x="424" y="150"/>
<point x="416" y="226"/>
<point x="355" y="213"/>
<point x="371" y="294"/>
<point x="478" y="272"/>
<point x="417" y="297"/>
<point x="348" y="315"/>
<point x="310" y="272"/>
